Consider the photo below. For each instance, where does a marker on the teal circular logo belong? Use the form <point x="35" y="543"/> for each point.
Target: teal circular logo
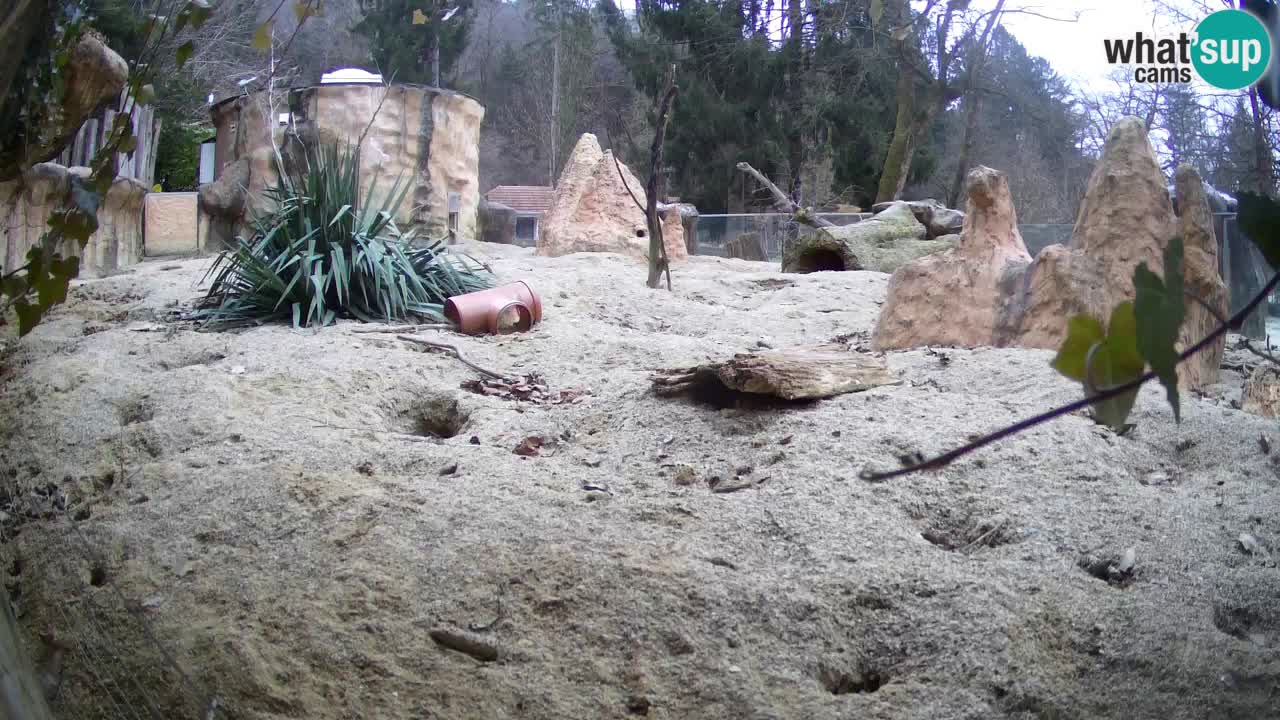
<point x="1231" y="49"/>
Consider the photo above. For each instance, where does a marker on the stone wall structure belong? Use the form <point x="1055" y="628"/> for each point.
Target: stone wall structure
<point x="426" y="137"/>
<point x="25" y="205"/>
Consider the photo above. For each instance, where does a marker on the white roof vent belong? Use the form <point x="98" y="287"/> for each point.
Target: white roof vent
<point x="350" y="75"/>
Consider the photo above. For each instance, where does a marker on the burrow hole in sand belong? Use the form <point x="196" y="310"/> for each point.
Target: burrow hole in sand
<point x="437" y="416"/>
<point x="840" y="682"/>
<point x="966" y="531"/>
<point x="817" y="260"/>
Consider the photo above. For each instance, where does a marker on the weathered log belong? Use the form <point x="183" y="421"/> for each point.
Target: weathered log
<point x="782" y="202"/>
<point x="802" y="373"/>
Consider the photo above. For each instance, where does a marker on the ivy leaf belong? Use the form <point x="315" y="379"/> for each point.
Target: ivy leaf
<point x="14" y="287"/>
<point x="185" y="51"/>
<point x="181" y="22"/>
<point x="877" y="12"/>
<point x="1160" y="309"/>
<point x="1259" y="218"/>
<point x="262" y="38"/>
<point x="419" y="17"/>
<point x="28" y="316"/>
<point x="1083" y="332"/>
<point x="146" y="94"/>
<point x="1102" y="359"/>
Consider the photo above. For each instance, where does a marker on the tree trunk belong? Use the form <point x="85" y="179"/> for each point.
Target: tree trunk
<point x="18" y="25"/>
<point x="1263" y="162"/>
<point x="966" y="149"/>
<point x="897" y="161"/>
<point x="658" y="263"/>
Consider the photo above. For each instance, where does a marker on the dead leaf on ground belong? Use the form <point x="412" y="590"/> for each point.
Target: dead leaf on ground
<point x="530" y="388"/>
<point x="530" y="446"/>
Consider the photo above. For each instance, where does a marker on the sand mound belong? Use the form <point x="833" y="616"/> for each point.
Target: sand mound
<point x="297" y="511"/>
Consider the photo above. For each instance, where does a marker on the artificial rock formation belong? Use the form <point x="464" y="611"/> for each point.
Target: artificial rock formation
<point x="1261" y="393"/>
<point x="424" y="137"/>
<point x="26" y="204"/>
<point x="985" y="293"/>
<point x="883" y="243"/>
<point x="1127" y="219"/>
<point x="592" y="210"/>
<point x="960" y="296"/>
<point x="94" y="74"/>
<point x="938" y="219"/>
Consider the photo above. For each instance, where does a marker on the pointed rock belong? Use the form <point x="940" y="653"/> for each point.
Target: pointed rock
<point x="1201" y="280"/>
<point x="594" y="211"/>
<point x="959" y="297"/>
<point x="1126" y="219"/>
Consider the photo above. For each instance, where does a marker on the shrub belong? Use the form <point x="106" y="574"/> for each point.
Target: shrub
<point x="318" y="254"/>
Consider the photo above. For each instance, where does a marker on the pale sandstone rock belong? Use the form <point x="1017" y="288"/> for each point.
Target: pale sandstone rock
<point x="1261" y="394"/>
<point x="938" y="219"/>
<point x="960" y="297"/>
<point x="424" y="137"/>
<point x="592" y="210"/>
<point x="27" y="203"/>
<point x="170" y="221"/>
<point x="1126" y="219"/>
<point x="1200" y="278"/>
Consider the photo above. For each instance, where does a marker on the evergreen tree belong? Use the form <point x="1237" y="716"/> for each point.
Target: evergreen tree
<point x="416" y="41"/>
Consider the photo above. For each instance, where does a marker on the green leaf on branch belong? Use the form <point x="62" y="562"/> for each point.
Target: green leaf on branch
<point x="1161" y="308"/>
<point x="28" y="316"/>
<point x="1083" y="332"/>
<point x="1259" y="218"/>
<point x="185" y="51"/>
<point x="15" y="287"/>
<point x="1102" y="359"/>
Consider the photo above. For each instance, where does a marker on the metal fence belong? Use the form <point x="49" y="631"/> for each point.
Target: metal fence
<point x="776" y="232"/>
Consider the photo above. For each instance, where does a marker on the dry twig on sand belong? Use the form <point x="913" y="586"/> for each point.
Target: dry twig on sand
<point x="453" y="351"/>
<point x="405" y="328"/>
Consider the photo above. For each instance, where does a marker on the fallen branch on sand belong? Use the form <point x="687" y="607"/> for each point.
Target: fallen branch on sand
<point x="802" y="373"/>
<point x="405" y="328"/>
<point x="784" y="203"/>
<point x="453" y="351"/>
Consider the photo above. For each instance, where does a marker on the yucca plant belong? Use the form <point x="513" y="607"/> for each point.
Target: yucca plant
<point x="323" y="251"/>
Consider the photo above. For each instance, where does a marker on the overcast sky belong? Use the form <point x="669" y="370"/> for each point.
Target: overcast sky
<point x="1075" y="49"/>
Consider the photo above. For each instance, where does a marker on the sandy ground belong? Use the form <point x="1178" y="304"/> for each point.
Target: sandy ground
<point x="279" y="507"/>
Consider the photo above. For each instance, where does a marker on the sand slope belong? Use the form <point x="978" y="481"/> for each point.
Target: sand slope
<point x="271" y="498"/>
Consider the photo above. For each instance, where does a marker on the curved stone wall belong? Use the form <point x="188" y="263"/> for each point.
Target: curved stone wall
<point x="426" y="137"/>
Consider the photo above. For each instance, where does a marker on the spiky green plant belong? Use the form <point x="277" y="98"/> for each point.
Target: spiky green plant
<point x="322" y="251"/>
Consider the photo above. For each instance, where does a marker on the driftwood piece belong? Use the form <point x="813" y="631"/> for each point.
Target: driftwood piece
<point x="802" y="373"/>
<point x="783" y="203"/>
